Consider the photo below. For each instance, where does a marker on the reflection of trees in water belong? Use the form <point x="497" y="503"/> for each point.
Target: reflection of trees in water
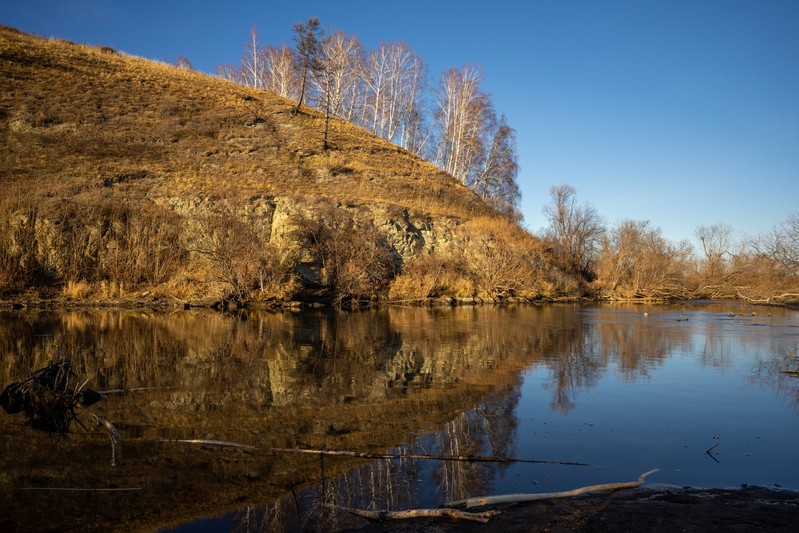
<point x="488" y="429"/>
<point x="398" y="484"/>
<point x="770" y="366"/>
<point x="637" y="347"/>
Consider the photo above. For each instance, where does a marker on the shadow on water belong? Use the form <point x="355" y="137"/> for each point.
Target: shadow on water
<point x="463" y="381"/>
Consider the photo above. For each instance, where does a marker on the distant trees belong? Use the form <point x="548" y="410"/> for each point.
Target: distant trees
<point x="636" y="261"/>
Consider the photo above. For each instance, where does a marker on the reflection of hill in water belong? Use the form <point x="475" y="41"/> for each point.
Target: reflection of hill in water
<point x="324" y="380"/>
<point x="366" y="381"/>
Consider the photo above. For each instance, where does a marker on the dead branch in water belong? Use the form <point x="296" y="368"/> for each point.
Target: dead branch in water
<point x="68" y="489"/>
<point x="123" y="392"/>
<point x="517" y="498"/>
<point x="418" y="513"/>
<point x="465" y="458"/>
<point x="113" y="434"/>
<point x="220" y="443"/>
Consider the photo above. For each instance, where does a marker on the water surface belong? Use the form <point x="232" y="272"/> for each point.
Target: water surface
<point x="697" y="390"/>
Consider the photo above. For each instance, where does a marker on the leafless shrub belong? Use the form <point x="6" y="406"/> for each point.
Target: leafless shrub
<point x="503" y="260"/>
<point x="238" y="258"/>
<point x="636" y="261"/>
<point x="357" y="262"/>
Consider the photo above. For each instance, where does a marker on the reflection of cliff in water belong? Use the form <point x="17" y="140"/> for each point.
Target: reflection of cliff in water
<point x="439" y="380"/>
<point x="363" y="381"/>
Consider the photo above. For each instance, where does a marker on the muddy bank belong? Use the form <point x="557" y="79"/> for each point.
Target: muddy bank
<point x="649" y="509"/>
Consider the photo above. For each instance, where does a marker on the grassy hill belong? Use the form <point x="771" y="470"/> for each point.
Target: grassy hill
<point x="123" y="177"/>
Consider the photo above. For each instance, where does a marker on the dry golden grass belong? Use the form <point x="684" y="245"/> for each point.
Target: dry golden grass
<point x="76" y="117"/>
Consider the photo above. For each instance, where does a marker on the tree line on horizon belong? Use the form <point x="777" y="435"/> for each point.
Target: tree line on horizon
<point x="633" y="260"/>
<point x="454" y="125"/>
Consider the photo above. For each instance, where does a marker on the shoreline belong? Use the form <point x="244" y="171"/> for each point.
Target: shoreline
<point x="652" y="508"/>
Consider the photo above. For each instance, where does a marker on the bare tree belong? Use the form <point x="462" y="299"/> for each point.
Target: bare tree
<point x="716" y="244"/>
<point x="459" y="116"/>
<point x="574" y="231"/>
<point x="394" y="78"/>
<point x="183" y="62"/>
<point x="636" y="261"/>
<point x="252" y="62"/>
<point x="494" y="178"/>
<point x="306" y="39"/>
<point x="229" y="72"/>
<point x="781" y="245"/>
<point x="343" y="64"/>
<point x="280" y="72"/>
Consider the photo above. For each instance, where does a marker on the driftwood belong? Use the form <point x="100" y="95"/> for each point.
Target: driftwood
<point x="418" y="513"/>
<point x="465" y="458"/>
<point x="516" y="498"/>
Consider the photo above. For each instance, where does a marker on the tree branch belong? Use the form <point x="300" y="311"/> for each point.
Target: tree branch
<point x="418" y="513"/>
<point x="515" y="498"/>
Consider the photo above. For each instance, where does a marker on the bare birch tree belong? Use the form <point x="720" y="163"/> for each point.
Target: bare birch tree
<point x="184" y="63"/>
<point x="460" y="106"/>
<point x="280" y="71"/>
<point x="252" y="62"/>
<point x="229" y="72"/>
<point x="343" y="65"/>
<point x="494" y="179"/>
<point x="394" y="79"/>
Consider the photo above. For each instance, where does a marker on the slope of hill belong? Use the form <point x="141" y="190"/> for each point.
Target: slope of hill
<point x="126" y="177"/>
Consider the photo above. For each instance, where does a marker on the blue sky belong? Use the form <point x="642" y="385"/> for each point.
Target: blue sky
<point x="678" y="112"/>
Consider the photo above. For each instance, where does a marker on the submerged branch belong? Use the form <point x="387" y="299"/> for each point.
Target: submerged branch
<point x="68" y="489"/>
<point x="465" y="458"/>
<point x="418" y="513"/>
<point x="220" y="443"/>
<point x="516" y="498"/>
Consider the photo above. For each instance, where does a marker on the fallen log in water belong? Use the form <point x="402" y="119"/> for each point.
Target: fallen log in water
<point x="518" y="498"/>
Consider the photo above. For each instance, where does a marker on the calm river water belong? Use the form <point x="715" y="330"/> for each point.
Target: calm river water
<point x="698" y="390"/>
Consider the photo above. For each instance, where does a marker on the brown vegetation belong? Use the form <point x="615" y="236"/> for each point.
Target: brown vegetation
<point x="634" y="261"/>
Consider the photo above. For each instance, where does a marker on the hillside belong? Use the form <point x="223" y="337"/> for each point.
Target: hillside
<point x="123" y="177"/>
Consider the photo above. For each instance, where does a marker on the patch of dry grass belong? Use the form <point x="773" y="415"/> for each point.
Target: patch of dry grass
<point x="75" y="115"/>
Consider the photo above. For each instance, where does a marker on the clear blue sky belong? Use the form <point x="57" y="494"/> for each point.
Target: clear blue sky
<point x="682" y="112"/>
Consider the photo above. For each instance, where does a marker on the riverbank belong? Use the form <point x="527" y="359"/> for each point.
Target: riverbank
<point x="649" y="509"/>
